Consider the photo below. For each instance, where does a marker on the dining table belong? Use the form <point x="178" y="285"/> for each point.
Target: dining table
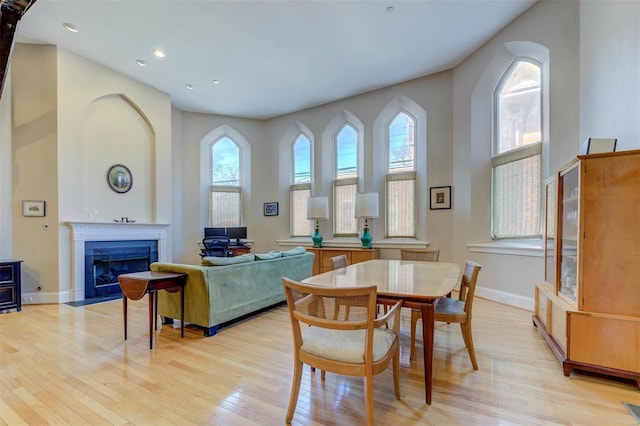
<point x="417" y="283"/>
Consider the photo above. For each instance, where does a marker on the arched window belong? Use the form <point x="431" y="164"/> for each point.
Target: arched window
<point x="517" y="151"/>
<point x="345" y="183"/>
<point x="300" y="189"/>
<point x="401" y="177"/>
<point x="226" y="193"/>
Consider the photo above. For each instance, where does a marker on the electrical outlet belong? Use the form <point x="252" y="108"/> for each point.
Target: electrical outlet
<point x="27" y="299"/>
<point x="503" y="299"/>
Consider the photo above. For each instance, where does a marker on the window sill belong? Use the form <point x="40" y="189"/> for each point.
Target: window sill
<point x="532" y="248"/>
<point x="392" y="243"/>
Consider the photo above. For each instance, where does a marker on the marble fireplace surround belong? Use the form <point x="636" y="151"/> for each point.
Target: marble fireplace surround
<point x="105" y="231"/>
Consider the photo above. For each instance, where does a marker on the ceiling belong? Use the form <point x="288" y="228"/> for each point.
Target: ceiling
<point x="269" y="57"/>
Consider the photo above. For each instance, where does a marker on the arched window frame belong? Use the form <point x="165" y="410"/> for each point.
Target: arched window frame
<point x="380" y="175"/>
<point x="516" y="214"/>
<point x="327" y="179"/>
<point x="345" y="188"/>
<point x="206" y="170"/>
<point x="300" y="191"/>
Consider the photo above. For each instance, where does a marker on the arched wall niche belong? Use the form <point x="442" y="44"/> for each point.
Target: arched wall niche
<point x="117" y="131"/>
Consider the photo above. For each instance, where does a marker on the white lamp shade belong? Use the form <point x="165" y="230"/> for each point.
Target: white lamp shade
<point x="367" y="205"/>
<point x="318" y="208"/>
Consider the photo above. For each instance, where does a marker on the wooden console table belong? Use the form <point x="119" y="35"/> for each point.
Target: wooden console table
<point x="322" y="262"/>
<point x="134" y="286"/>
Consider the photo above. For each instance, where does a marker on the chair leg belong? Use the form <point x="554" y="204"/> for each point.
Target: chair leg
<point x="368" y="397"/>
<point x="415" y="316"/>
<point x="468" y="341"/>
<point x="396" y="372"/>
<point x="295" y="389"/>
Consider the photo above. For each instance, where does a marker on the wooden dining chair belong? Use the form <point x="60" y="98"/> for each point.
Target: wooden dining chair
<point x="458" y="310"/>
<point x="353" y="344"/>
<point x="339" y="261"/>
<point x="428" y="255"/>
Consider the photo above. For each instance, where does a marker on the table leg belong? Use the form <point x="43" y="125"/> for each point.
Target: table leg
<point x="124" y="311"/>
<point x="151" y="304"/>
<point x="428" y="323"/>
<point x="155" y="313"/>
<point x="182" y="311"/>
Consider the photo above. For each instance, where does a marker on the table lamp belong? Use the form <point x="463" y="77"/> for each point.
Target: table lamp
<point x="366" y="207"/>
<point x="317" y="208"/>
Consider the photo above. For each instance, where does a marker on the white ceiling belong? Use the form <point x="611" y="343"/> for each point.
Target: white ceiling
<point x="270" y="57"/>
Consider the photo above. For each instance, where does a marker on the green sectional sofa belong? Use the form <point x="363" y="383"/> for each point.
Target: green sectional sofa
<point x="235" y="287"/>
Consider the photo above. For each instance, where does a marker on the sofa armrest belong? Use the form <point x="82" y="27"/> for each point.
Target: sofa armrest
<point x="196" y="294"/>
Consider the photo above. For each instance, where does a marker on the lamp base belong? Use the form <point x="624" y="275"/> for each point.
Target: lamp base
<point x="366" y="239"/>
<point x="317" y="239"/>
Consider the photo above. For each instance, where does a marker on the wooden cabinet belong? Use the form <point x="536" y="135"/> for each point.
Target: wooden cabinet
<point x="588" y="308"/>
<point x="322" y="262"/>
<point x="10" y="293"/>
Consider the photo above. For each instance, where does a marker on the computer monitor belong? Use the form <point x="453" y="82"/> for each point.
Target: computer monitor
<point x="237" y="233"/>
<point x="215" y="232"/>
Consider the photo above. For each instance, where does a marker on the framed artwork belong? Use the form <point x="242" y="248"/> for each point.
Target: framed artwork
<point x="271" y="209"/>
<point x="119" y="178"/>
<point x="440" y="198"/>
<point x="33" y="208"/>
<point x="598" y="145"/>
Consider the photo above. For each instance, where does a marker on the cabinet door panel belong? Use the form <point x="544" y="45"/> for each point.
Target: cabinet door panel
<point x="610" y="264"/>
<point x="617" y="341"/>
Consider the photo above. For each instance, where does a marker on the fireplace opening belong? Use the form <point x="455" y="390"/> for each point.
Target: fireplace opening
<point x="105" y="260"/>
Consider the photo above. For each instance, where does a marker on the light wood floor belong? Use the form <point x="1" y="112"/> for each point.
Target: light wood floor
<point x="70" y="365"/>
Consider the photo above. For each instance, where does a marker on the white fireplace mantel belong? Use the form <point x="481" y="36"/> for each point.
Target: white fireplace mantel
<point x="109" y="231"/>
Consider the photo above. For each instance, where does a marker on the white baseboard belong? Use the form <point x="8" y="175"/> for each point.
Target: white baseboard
<point x="510" y="299"/>
<point x="40" y="297"/>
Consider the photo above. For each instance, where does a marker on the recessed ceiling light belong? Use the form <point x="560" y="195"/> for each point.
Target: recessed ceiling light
<point x="70" y="27"/>
<point x="141" y="62"/>
<point x="389" y="9"/>
<point x="216" y="82"/>
<point x="158" y="53"/>
<point x="189" y="86"/>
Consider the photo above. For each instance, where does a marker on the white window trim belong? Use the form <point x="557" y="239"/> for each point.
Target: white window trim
<point x="205" y="170"/>
<point x="325" y="181"/>
<point x="380" y="136"/>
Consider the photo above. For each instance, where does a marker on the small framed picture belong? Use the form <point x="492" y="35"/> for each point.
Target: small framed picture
<point x="440" y="198"/>
<point x="33" y="208"/>
<point x="598" y="145"/>
<point x="271" y="209"/>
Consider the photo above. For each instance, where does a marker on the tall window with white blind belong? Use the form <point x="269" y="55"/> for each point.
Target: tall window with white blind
<point x="517" y="151"/>
<point x="345" y="183"/>
<point x="300" y="189"/>
<point x="401" y="177"/>
<point x="225" y="189"/>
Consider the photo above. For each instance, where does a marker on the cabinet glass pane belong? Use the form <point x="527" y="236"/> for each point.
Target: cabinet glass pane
<point x="569" y="184"/>
<point x="550" y="231"/>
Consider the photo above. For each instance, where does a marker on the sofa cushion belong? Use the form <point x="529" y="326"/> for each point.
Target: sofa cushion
<point x="294" y="251"/>
<point x="270" y="255"/>
<point x="221" y="261"/>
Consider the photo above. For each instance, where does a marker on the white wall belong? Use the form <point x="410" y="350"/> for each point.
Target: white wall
<point x="72" y="119"/>
<point x="610" y="71"/>
<point x="34" y="166"/>
<point x="551" y="25"/>
<point x="5" y="169"/>
<point x="194" y="193"/>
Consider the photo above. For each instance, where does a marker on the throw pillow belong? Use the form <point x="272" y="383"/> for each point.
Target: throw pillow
<point x="221" y="261"/>
<point x="270" y="255"/>
<point x="294" y="251"/>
